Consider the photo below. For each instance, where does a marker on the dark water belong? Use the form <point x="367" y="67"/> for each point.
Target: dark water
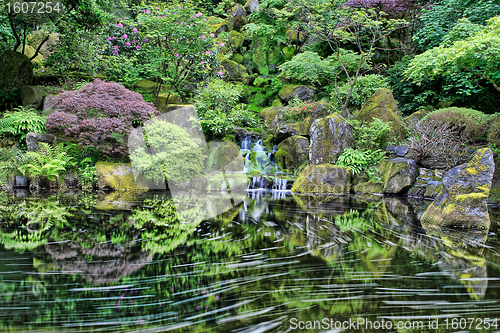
<point x="275" y="263"/>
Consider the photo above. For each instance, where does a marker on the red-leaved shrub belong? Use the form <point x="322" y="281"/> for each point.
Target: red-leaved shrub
<point x="100" y="114"/>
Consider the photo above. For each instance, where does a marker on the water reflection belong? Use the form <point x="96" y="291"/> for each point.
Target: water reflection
<point x="67" y="263"/>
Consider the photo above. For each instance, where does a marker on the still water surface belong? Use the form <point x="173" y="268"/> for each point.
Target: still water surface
<point x="275" y="263"/>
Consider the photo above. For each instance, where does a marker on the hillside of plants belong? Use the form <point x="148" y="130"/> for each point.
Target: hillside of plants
<point x="90" y="71"/>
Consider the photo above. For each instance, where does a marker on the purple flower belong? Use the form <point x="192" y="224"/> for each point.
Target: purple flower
<point x="127" y="43"/>
<point x="212" y="34"/>
<point x="117" y="304"/>
<point x="202" y="62"/>
<point x="216" y="297"/>
<point x="198" y="14"/>
<point x="176" y="55"/>
<point x="116" y="47"/>
<point x="208" y="52"/>
<point x="220" y="73"/>
<point x="203" y="37"/>
<point x="120" y="25"/>
<point x="134" y="41"/>
<point x="110" y="39"/>
<point x="148" y="12"/>
<point x="137" y="47"/>
<point x="113" y="37"/>
<point x="164" y="38"/>
<point x="134" y="30"/>
<point x="222" y="44"/>
<point x="198" y="307"/>
<point x="125" y="36"/>
<point x="115" y="51"/>
<point x="146" y="40"/>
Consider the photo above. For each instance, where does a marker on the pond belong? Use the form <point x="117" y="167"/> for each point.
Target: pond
<point x="274" y="263"/>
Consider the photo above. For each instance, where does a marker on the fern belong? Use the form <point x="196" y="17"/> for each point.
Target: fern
<point x="48" y="162"/>
<point x="19" y="123"/>
<point x="360" y="160"/>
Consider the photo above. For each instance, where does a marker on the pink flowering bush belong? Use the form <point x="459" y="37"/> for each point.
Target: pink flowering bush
<point x="100" y="114"/>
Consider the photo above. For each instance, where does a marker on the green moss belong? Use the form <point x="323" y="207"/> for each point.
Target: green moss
<point x="288" y="52"/>
<point x="234" y="71"/>
<point x="269" y="115"/>
<point x="286" y="91"/>
<point x="238" y="58"/>
<point x="260" y="81"/>
<point x="172" y="99"/>
<point x="494" y="131"/>
<point x="295" y="36"/>
<point x="276" y="103"/>
<point x="274" y="56"/>
<point x="225" y="155"/>
<point x="312" y="179"/>
<point x="236" y="39"/>
<point x="268" y="141"/>
<point x="259" y="56"/>
<point x="117" y="176"/>
<point x="369" y="187"/>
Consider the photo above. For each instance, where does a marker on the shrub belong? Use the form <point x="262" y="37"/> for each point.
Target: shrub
<point x="473" y="123"/>
<point x="361" y="160"/>
<point x="442" y="144"/>
<point x="307" y="67"/>
<point x="177" y="157"/>
<point x="11" y="162"/>
<point x="298" y="110"/>
<point x="19" y="123"/>
<point x="371" y="136"/>
<point x="100" y="114"/>
<point x="217" y="95"/>
<point x="364" y="88"/>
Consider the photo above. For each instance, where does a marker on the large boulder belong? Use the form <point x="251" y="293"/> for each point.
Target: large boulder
<point x="463" y="199"/>
<point x="329" y="137"/>
<point x="16" y="69"/>
<point x="115" y="176"/>
<point x="33" y="96"/>
<point x="234" y="71"/>
<point x="236" y="18"/>
<point x="398" y="174"/>
<point x="272" y="117"/>
<point x="383" y="106"/>
<point x="165" y="99"/>
<point x="288" y="130"/>
<point x="324" y="178"/>
<point x="236" y="39"/>
<point x="292" y="152"/>
<point x="252" y="6"/>
<point x="33" y="140"/>
<point x="289" y="92"/>
<point x="224" y="155"/>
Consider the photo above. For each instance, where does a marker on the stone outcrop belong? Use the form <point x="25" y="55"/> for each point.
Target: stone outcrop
<point x="16" y="69"/>
<point x="329" y="137"/>
<point x="427" y="185"/>
<point x="236" y="18"/>
<point x="234" y="71"/>
<point x="383" y="106"/>
<point x="116" y="176"/>
<point x="292" y="152"/>
<point x="398" y="174"/>
<point x="32" y="96"/>
<point x="33" y="140"/>
<point x="463" y="199"/>
<point x="289" y="92"/>
<point x="224" y="155"/>
<point x="324" y="178"/>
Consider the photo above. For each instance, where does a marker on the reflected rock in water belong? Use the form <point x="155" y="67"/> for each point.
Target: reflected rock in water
<point x="462" y="258"/>
<point x="109" y="263"/>
<point x="324" y="239"/>
<point x="322" y="205"/>
<point x="398" y="210"/>
<point x="117" y="200"/>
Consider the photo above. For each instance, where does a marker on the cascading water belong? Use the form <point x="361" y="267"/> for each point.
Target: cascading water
<point x="259" y="160"/>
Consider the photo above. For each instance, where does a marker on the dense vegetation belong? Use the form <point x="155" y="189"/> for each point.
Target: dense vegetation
<point x="232" y="60"/>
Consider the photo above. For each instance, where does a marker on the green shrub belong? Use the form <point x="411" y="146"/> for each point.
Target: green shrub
<point x="217" y="95"/>
<point x="121" y="69"/>
<point x="19" y="123"/>
<point x="177" y="159"/>
<point x="472" y="122"/>
<point x="363" y="89"/>
<point x="11" y="162"/>
<point x="371" y="136"/>
<point x="307" y="67"/>
<point x="298" y="110"/>
<point x="361" y="160"/>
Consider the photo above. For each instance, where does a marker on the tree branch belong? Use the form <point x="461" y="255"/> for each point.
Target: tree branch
<point x="14" y="31"/>
<point x="39" y="47"/>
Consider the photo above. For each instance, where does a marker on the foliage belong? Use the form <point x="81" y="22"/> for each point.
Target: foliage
<point x="242" y="116"/>
<point x="307" y="67"/>
<point x="360" y="160"/>
<point x="441" y="143"/>
<point x="18" y="124"/>
<point x="298" y="110"/>
<point x="477" y="56"/>
<point x="177" y="157"/>
<point x="49" y="162"/>
<point x="11" y="162"/>
<point x="363" y="89"/>
<point x="217" y="95"/>
<point x="473" y="123"/>
<point x="180" y="44"/>
<point x="442" y="16"/>
<point x="216" y="123"/>
<point x="371" y="136"/>
<point x="87" y="175"/>
<point x="121" y="69"/>
<point x="337" y="26"/>
<point x="97" y="114"/>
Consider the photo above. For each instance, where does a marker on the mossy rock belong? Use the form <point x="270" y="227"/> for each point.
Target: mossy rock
<point x="247" y="57"/>
<point x="272" y="116"/>
<point x="33" y="96"/>
<point x="149" y="86"/>
<point x="274" y="55"/>
<point x="252" y="6"/>
<point x="16" y="69"/>
<point x="295" y="36"/>
<point x="29" y="51"/>
<point x="288" y="130"/>
<point x="369" y="187"/>
<point x="260" y="81"/>
<point x="219" y="26"/>
<point x="225" y="155"/>
<point x="289" y="92"/>
<point x="276" y="103"/>
<point x="259" y="56"/>
<point x="236" y="18"/>
<point x="323" y="178"/>
<point x="415" y="117"/>
<point x="288" y="52"/>
<point x="236" y="39"/>
<point x="237" y="58"/>
<point x="234" y="71"/>
<point x="463" y="199"/>
<point x="172" y="99"/>
<point x="292" y="152"/>
<point x="383" y="106"/>
<point x="329" y="137"/>
<point x="398" y="174"/>
<point x="494" y="131"/>
<point x="118" y="200"/>
<point x="116" y="176"/>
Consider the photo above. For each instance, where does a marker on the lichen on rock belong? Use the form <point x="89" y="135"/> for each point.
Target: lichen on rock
<point x="324" y="178"/>
<point x="463" y="199"/>
<point x="398" y="174"/>
<point x="292" y="152"/>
